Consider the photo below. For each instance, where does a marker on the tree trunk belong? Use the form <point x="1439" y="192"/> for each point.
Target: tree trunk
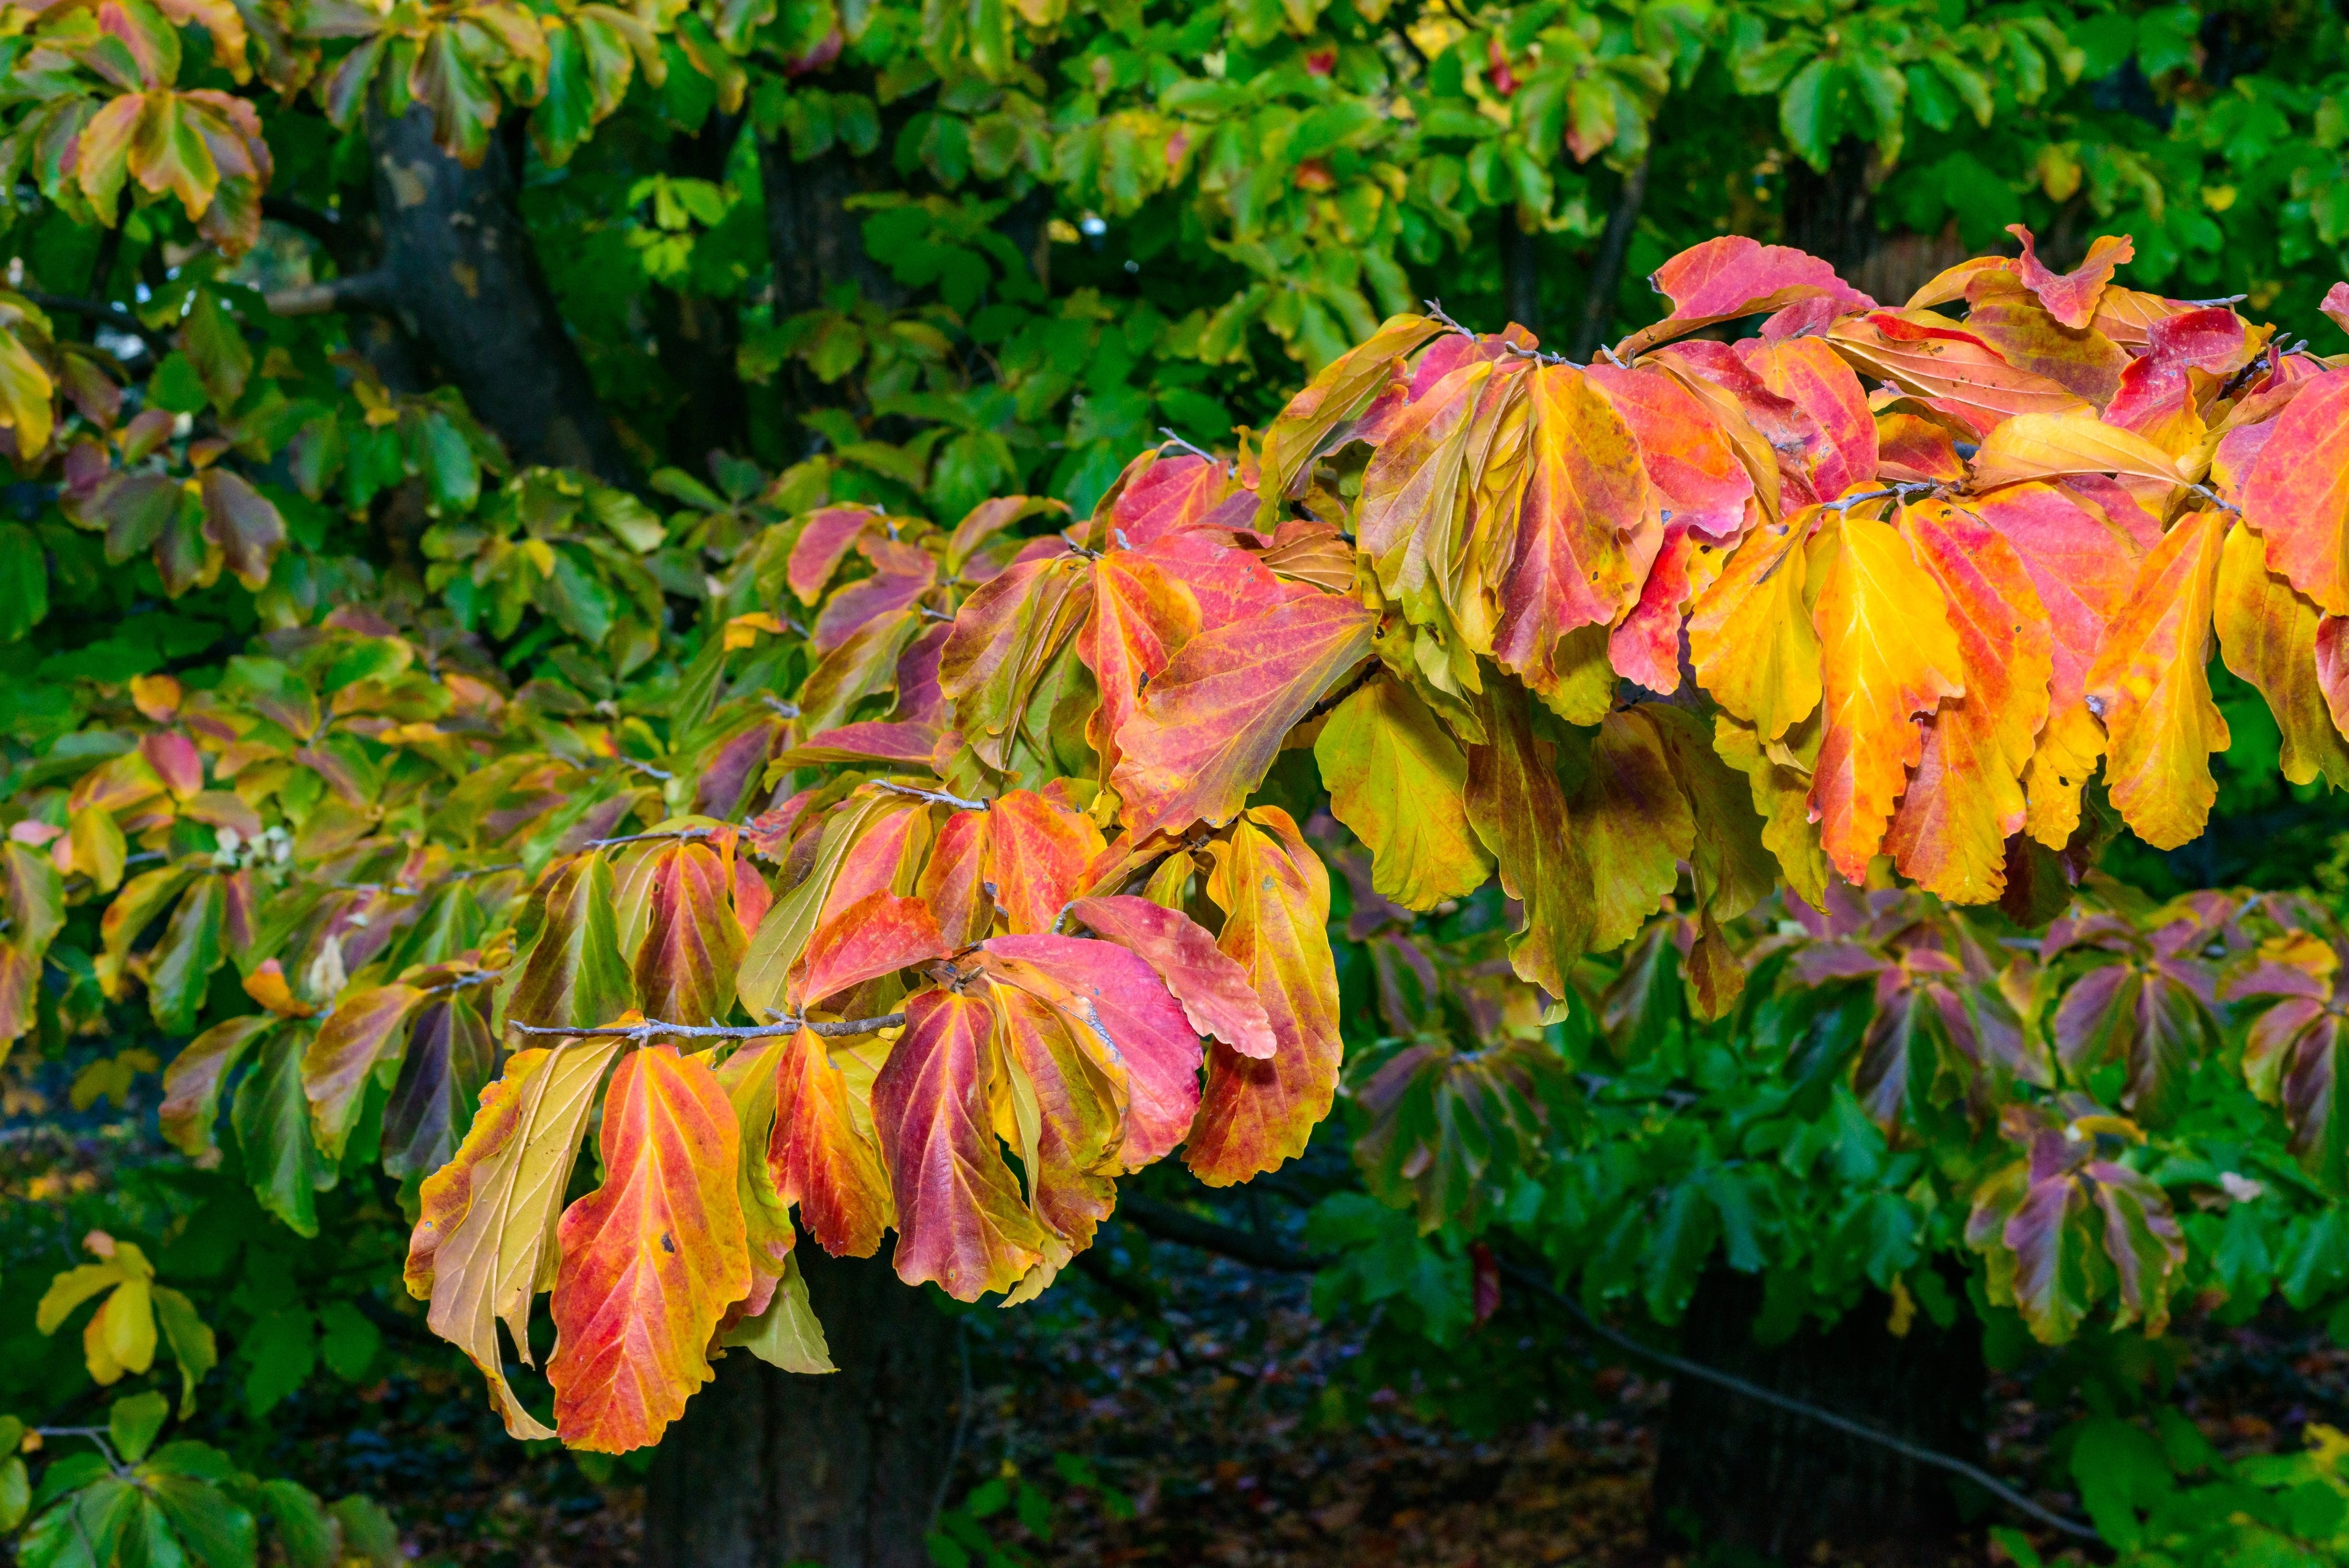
<point x="460" y="272"/>
<point x="695" y="336"/>
<point x="770" y="1469"/>
<point x="1830" y="215"/>
<point x="1738" y="1473"/>
<point x="1520" y="274"/>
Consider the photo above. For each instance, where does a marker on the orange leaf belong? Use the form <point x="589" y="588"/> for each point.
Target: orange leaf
<point x="823" y="1153"/>
<point x="961" y="1222"/>
<point x="879" y="934"/>
<point x="2070" y="297"/>
<point x="266" y="985"/>
<point x="2267" y="634"/>
<point x="1292" y="440"/>
<point x="1966" y="800"/>
<point x="1587" y="532"/>
<point x="1141" y="615"/>
<point x="2298" y="494"/>
<point x="2010" y="319"/>
<point x="1809" y="373"/>
<point x="953" y="882"/>
<point x="1689" y="459"/>
<point x="1037" y="853"/>
<point x="651" y="1259"/>
<point x="483" y="1244"/>
<point x="2151" y="686"/>
<point x="1209" y="727"/>
<point x="1645" y="646"/>
<point x="1213" y="989"/>
<point x="692" y="947"/>
<point x="1257" y="1115"/>
<point x="2081" y="567"/>
<point x="1413" y="490"/>
<point x="1731" y="277"/>
<point x="1952" y="369"/>
<point x="1888" y="658"/>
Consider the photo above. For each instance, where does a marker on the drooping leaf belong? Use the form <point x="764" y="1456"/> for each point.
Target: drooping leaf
<point x="1211" y="987"/>
<point x="1587" y="532"/>
<point x="1255" y="1116"/>
<point x="2151" y="686"/>
<point x="650" y="1259"/>
<point x="361" y="1042"/>
<point x="1752" y="646"/>
<point x="485" y="1241"/>
<point x="1518" y="809"/>
<point x="1634" y="825"/>
<point x="961" y="1221"/>
<point x="879" y="934"/>
<point x="1209" y="727"/>
<point x="1889" y="658"/>
<point x="2297" y="496"/>
<point x="685" y="967"/>
<point x="1966" y="798"/>
<point x="2267" y="635"/>
<point x="1396" y="778"/>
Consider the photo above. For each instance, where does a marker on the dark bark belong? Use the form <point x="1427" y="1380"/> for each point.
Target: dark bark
<point x="1735" y="1472"/>
<point x="466" y="282"/>
<point x="695" y="336"/>
<point x="769" y="1468"/>
<point x="815" y="239"/>
<point x="1606" y="267"/>
<point x="1521" y="263"/>
<point x="1830" y="215"/>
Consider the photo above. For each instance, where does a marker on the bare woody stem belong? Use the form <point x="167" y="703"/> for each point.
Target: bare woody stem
<point x="653" y="1029"/>
<point x="937" y="797"/>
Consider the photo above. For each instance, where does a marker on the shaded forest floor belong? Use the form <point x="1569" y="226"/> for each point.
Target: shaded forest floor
<point x="1222" y="1419"/>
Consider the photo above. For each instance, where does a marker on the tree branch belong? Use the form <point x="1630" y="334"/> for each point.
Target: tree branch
<point x="361" y="291"/>
<point x="1599" y="302"/>
<point x="97" y="310"/>
<point x="1154" y="1217"/>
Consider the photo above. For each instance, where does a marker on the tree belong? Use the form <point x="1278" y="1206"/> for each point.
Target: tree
<point x="423" y="802"/>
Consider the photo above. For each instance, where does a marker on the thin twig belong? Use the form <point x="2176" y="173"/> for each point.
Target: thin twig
<point x="155" y="339"/>
<point x="645" y="768"/>
<point x="2223" y="299"/>
<point x="782" y="709"/>
<point x="1845" y="1423"/>
<point x="1435" y="309"/>
<point x="2215" y="499"/>
<point x="1173" y="439"/>
<point x="653" y="1029"/>
<point x="648" y="838"/>
<point x="935" y="797"/>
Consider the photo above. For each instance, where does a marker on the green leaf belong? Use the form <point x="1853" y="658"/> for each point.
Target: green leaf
<point x="134" y="1424"/>
<point x="191" y="1342"/>
<point x="280" y="1351"/>
<point x="271" y="1116"/>
<point x="2120" y="1472"/>
<point x="348" y="1339"/>
<point x="23" y="582"/>
<point x="308" y="1535"/>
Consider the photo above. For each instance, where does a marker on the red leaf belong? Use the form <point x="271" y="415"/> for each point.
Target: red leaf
<point x="1731" y="277"/>
<point x="1212" y="988"/>
<point x="879" y="934"/>
<point x="822" y="1152"/>
<point x="1130" y="1006"/>
<point x="1209" y="727"/>
<point x="2070" y="297"/>
<point x="961" y="1221"/>
<point x="1255" y="1116"/>
<point x="651" y="1259"/>
<point x="1037" y="853"/>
